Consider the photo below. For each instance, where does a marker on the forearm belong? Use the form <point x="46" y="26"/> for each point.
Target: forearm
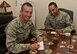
<point x="68" y="29"/>
<point x="15" y="47"/>
<point x="12" y="42"/>
<point x="47" y="24"/>
<point x="36" y="33"/>
<point x="49" y="27"/>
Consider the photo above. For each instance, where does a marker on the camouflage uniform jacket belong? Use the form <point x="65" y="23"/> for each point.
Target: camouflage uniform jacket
<point x="17" y="32"/>
<point x="62" y="20"/>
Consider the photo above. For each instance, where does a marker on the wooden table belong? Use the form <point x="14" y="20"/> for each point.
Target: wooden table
<point x="57" y="46"/>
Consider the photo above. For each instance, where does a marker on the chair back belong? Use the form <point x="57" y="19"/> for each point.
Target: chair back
<point x="67" y="11"/>
<point x="4" y="20"/>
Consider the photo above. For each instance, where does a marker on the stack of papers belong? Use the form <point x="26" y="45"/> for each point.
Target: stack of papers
<point x="41" y="45"/>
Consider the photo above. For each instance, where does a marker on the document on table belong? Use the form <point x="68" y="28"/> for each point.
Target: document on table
<point x="41" y="45"/>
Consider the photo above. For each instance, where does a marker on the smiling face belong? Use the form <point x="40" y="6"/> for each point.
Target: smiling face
<point x="53" y="10"/>
<point x="26" y="13"/>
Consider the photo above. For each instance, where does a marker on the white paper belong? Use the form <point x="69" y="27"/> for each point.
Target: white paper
<point x="53" y="32"/>
<point x="41" y="45"/>
<point x="67" y="34"/>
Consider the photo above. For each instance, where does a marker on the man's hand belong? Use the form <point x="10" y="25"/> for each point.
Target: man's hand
<point x="34" y="46"/>
<point x="59" y="31"/>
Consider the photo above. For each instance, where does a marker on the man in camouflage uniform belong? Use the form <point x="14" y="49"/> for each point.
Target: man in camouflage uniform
<point x="18" y="31"/>
<point x="58" y="20"/>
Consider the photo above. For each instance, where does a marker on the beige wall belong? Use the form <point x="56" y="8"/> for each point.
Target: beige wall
<point x="42" y="10"/>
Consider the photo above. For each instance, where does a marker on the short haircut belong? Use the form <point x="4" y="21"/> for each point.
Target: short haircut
<point x="26" y="3"/>
<point x="52" y="3"/>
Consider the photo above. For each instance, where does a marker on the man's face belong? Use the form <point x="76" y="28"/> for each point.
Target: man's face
<point x="53" y="10"/>
<point x="26" y="13"/>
